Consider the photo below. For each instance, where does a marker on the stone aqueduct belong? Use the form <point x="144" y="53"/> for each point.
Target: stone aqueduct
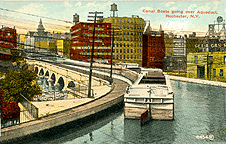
<point x="65" y="77"/>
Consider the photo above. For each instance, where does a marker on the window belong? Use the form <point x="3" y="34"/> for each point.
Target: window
<point x="127" y="50"/>
<point x="224" y="59"/>
<point x="210" y="59"/>
<point x="214" y="72"/>
<point x="221" y="72"/>
<point x="131" y="56"/>
<point x="196" y="61"/>
<point x="127" y="56"/>
<point x="131" y="50"/>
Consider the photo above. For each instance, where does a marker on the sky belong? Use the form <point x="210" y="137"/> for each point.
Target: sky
<point x="54" y="13"/>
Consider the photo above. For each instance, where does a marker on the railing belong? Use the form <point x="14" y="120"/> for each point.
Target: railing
<point x="148" y="100"/>
<point x="32" y="109"/>
<point x="80" y="70"/>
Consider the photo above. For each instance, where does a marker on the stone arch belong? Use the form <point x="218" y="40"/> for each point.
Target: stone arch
<point x="61" y="83"/>
<point x="36" y="70"/>
<point x="53" y="77"/>
<point x="47" y="73"/>
<point x="41" y="72"/>
<point x="71" y="84"/>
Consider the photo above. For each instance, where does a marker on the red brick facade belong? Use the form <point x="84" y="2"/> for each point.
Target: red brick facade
<point x="8" y="40"/>
<point x="82" y="41"/>
<point x="153" y="51"/>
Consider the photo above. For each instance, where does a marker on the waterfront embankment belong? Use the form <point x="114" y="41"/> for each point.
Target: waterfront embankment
<point x="199" y="81"/>
<point x="16" y="132"/>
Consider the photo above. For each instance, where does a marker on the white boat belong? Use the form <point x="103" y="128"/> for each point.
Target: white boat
<point x="151" y="92"/>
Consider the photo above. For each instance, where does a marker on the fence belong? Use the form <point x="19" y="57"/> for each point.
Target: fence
<point x="30" y="108"/>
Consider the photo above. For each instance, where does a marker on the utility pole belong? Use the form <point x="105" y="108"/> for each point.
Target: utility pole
<point x="113" y="9"/>
<point x="91" y="62"/>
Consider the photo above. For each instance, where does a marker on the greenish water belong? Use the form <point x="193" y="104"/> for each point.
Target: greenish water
<point x="199" y="117"/>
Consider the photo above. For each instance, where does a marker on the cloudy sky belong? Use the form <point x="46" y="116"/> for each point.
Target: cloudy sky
<point x="19" y="13"/>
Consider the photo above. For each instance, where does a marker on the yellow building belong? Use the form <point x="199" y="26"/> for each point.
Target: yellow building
<point x="128" y="38"/>
<point x="63" y="47"/>
<point x="207" y="65"/>
<point x="51" y="45"/>
<point x="168" y="46"/>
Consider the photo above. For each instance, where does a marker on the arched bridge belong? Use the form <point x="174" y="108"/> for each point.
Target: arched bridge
<point x="67" y="78"/>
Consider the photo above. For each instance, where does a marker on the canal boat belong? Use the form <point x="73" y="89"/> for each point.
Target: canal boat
<point x="150" y="97"/>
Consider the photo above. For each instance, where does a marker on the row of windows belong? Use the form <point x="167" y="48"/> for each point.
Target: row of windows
<point x="127" y="50"/>
<point x="98" y="30"/>
<point x="97" y="25"/>
<point x="128" y="38"/>
<point x="124" y="44"/>
<point x="127" y="57"/>
<point x="210" y="59"/>
<point x="129" y="33"/>
<point x="139" y="27"/>
<point x="128" y="21"/>
<point x="214" y="72"/>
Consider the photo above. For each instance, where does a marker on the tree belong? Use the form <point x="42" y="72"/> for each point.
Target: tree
<point x="20" y="82"/>
<point x="16" y="56"/>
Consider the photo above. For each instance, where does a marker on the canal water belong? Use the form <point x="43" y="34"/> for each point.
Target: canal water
<point x="200" y="117"/>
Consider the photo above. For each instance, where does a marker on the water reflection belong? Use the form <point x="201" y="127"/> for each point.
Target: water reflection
<point x="154" y="131"/>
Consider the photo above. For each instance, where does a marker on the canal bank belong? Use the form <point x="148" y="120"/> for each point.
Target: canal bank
<point x="199" y="119"/>
<point x="198" y="81"/>
<point x="51" y="123"/>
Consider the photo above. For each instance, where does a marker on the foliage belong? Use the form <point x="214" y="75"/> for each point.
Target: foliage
<point x="16" y="56"/>
<point x="19" y="82"/>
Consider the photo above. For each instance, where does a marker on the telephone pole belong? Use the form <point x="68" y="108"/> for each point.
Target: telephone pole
<point x="113" y="9"/>
<point x="91" y="62"/>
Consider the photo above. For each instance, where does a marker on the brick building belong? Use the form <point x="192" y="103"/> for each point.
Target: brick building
<point x="153" y="51"/>
<point x="8" y="41"/>
<point x="82" y="41"/>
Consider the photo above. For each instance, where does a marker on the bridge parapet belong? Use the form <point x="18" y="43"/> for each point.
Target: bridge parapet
<point x="77" y="76"/>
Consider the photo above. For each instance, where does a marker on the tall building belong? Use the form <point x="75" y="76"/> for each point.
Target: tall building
<point x="179" y="46"/>
<point x="153" y="50"/>
<point x="82" y="41"/>
<point x="128" y="39"/>
<point x="8" y="41"/>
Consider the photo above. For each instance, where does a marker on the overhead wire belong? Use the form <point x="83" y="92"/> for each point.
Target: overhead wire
<point x="34" y="15"/>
